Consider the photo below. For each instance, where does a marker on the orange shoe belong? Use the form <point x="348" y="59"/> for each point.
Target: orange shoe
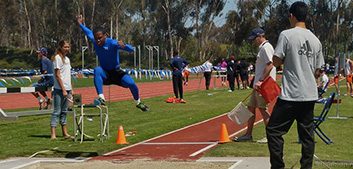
<point x="176" y="100"/>
<point x="182" y="101"/>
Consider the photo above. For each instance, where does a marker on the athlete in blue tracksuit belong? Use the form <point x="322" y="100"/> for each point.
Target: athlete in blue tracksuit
<point x="109" y="71"/>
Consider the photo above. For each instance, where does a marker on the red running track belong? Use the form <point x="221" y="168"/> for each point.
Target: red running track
<point x="146" y="90"/>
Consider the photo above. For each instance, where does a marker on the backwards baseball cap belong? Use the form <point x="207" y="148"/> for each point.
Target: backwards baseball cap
<point x="43" y="50"/>
<point x="231" y="57"/>
<point x="256" y="32"/>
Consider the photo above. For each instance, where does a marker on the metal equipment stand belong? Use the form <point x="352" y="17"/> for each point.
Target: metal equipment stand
<point x="79" y="119"/>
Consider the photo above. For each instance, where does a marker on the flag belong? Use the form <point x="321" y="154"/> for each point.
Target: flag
<point x="269" y="89"/>
<point x="240" y="114"/>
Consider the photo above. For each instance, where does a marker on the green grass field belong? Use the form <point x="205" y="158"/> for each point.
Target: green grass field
<point x="31" y="134"/>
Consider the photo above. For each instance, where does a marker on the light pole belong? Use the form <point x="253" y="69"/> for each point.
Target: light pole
<point x="157" y="49"/>
<point x="134" y="57"/>
<point x="149" y="48"/>
<point x="83" y="56"/>
<point x="138" y="47"/>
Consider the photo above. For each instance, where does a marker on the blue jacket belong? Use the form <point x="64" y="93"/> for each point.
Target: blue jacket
<point x="47" y="65"/>
<point x="179" y="63"/>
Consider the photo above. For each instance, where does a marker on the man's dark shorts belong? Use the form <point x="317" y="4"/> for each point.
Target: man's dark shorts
<point x="244" y="76"/>
<point x="114" y="76"/>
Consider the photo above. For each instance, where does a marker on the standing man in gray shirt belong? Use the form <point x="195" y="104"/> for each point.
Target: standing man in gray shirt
<point x="300" y="52"/>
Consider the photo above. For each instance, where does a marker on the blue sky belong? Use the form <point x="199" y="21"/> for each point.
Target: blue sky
<point x="219" y="21"/>
<point x="230" y="5"/>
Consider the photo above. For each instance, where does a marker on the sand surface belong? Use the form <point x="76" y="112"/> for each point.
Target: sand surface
<point x="137" y="164"/>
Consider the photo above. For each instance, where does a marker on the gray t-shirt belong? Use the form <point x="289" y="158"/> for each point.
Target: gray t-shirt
<point x="301" y="52"/>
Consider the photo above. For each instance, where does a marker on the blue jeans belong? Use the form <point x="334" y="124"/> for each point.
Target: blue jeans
<point x="60" y="107"/>
<point x="41" y="84"/>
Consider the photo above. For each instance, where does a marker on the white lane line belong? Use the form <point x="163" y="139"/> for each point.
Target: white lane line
<point x="202" y="150"/>
<point x="27" y="164"/>
<point x="235" y="164"/>
<point x="232" y="135"/>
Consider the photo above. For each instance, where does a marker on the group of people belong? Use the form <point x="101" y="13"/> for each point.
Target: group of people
<point x="300" y="52"/>
<point x="347" y="72"/>
<point x="234" y="71"/>
<point x="57" y="73"/>
<point x="298" y="49"/>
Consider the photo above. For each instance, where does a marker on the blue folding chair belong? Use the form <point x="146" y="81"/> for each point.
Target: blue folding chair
<point x="319" y="120"/>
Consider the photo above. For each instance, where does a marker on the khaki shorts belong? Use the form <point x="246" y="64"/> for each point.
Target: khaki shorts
<point x="257" y="101"/>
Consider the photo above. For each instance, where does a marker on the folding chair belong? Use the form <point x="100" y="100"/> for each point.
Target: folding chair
<point x="321" y="119"/>
<point x="79" y="118"/>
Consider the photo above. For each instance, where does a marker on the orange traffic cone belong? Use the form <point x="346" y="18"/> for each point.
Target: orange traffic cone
<point x="224" y="135"/>
<point x="121" y="136"/>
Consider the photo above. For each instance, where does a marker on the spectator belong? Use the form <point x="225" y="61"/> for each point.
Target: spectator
<point x="300" y="52"/>
<point x="208" y="72"/>
<point x="336" y="75"/>
<point x="177" y="64"/>
<point x="323" y="82"/>
<point x="186" y="72"/>
<point x="237" y="73"/>
<point x="46" y="80"/>
<point x="348" y="68"/>
<point x="62" y="88"/>
<point x="264" y="68"/>
<point x="231" y="73"/>
<point x="223" y="66"/>
<point x="244" y="73"/>
<point x="250" y="70"/>
<point x="327" y="69"/>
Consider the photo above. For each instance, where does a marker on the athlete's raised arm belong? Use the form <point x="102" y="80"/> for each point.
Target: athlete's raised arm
<point x="87" y="31"/>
